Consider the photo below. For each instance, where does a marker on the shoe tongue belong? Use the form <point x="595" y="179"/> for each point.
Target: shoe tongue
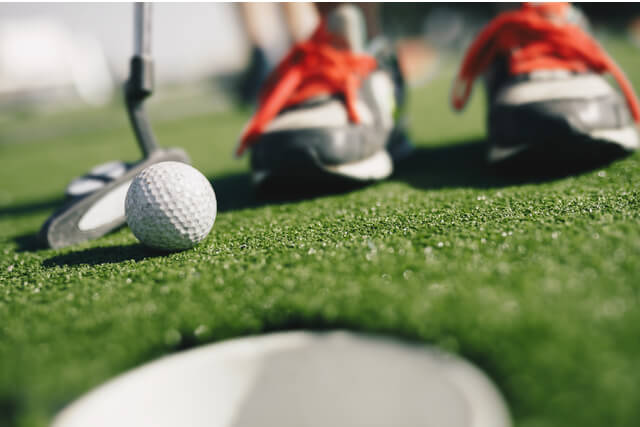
<point x="346" y="21"/>
<point x="497" y="74"/>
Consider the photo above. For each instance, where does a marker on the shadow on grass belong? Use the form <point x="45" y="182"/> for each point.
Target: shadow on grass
<point x="32" y="207"/>
<point x="28" y="242"/>
<point x="458" y="165"/>
<point x="464" y="165"/>
<point x="103" y="255"/>
<point x="10" y="407"/>
<point x="236" y="191"/>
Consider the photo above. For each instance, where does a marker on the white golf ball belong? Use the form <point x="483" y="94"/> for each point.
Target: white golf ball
<point x="170" y="206"/>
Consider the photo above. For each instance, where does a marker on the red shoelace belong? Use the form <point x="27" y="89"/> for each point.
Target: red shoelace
<point x="312" y="68"/>
<point x="537" y="38"/>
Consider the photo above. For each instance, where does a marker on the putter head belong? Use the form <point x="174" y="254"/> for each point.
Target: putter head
<point x="98" y="213"/>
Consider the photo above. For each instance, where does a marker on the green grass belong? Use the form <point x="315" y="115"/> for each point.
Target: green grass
<point x="535" y="281"/>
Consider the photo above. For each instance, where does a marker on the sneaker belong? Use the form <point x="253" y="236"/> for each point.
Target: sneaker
<point x="545" y="84"/>
<point x="329" y="110"/>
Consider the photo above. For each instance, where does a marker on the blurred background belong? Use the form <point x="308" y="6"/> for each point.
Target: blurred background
<point x="56" y="56"/>
<point x="63" y="65"/>
<point x="69" y="56"/>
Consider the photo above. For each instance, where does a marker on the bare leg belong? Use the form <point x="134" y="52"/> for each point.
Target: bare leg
<point x="250" y="13"/>
<point x="300" y="19"/>
<point x="371" y="12"/>
<point x="259" y="21"/>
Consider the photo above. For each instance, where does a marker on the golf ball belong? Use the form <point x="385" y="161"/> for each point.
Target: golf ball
<point x="170" y="206"/>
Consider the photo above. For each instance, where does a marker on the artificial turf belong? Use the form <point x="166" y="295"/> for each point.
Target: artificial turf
<point x="534" y="280"/>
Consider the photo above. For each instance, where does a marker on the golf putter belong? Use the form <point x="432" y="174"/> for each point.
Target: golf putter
<point x="96" y="213"/>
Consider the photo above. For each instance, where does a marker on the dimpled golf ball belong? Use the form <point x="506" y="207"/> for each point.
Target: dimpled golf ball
<point x="170" y="206"/>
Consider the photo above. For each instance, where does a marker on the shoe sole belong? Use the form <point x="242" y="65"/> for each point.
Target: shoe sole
<point x="623" y="141"/>
<point x="376" y="167"/>
<point x="373" y="168"/>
